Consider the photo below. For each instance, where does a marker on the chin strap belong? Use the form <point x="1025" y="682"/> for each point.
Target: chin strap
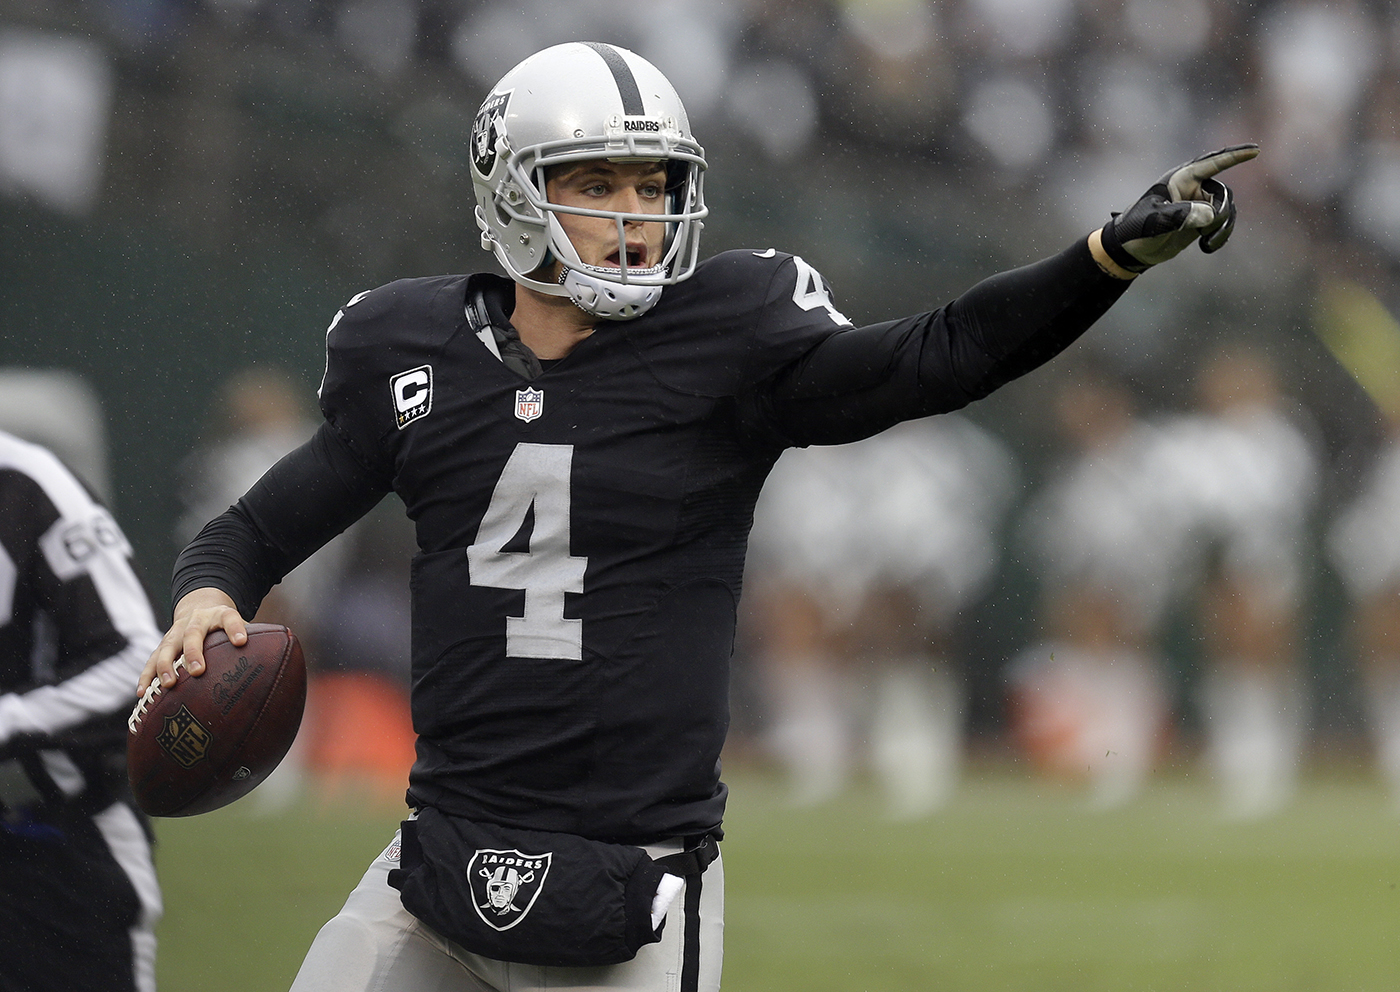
<point x="608" y="299"/>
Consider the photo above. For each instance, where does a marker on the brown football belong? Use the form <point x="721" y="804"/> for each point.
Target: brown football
<point x="207" y="741"/>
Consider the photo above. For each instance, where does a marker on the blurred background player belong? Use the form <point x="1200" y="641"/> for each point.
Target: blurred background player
<point x="60" y="410"/>
<point x="361" y="735"/>
<point x="1246" y="473"/>
<point x="261" y="416"/>
<point x="1363" y="545"/>
<point x="78" y="892"/>
<point x="864" y="555"/>
<point x="356" y="740"/>
<point x="1089" y="699"/>
<point x="260" y="419"/>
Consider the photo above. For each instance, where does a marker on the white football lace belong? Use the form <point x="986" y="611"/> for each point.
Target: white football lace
<point x="153" y="690"/>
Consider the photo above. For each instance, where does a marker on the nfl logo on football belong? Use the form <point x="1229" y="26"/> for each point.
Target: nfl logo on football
<point x="529" y="404"/>
<point x="184" y="738"/>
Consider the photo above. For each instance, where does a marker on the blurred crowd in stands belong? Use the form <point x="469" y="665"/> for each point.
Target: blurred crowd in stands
<point x="1181" y="538"/>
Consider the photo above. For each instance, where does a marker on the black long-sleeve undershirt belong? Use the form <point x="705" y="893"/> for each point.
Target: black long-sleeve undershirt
<point x="312" y="494"/>
<point x="863" y="380"/>
<point x="854" y="384"/>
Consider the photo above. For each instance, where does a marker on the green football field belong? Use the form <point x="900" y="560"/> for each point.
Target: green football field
<point x="1016" y="886"/>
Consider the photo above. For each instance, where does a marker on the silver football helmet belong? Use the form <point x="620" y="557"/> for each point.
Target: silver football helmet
<point x="572" y="103"/>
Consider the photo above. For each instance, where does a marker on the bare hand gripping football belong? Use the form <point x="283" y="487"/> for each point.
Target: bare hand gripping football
<point x="204" y="742"/>
<point x="1187" y="204"/>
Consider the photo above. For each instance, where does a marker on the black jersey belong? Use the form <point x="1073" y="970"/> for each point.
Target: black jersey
<point x="75" y="629"/>
<point x="582" y="537"/>
<point x="582" y="524"/>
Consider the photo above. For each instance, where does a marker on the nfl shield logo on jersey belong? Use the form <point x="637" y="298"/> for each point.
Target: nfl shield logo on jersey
<point x="529" y="404"/>
<point x="505" y="885"/>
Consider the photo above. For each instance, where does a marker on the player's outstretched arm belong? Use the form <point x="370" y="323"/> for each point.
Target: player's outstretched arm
<point x="196" y="614"/>
<point x="1003" y="327"/>
<point x="1187" y="204"/>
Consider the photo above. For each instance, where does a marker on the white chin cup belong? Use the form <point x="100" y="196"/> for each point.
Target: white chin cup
<point x="608" y="298"/>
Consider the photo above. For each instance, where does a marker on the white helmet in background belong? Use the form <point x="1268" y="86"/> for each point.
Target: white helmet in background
<point x="571" y="103"/>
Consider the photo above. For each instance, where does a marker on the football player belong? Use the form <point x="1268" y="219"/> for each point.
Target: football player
<point x="78" y="893"/>
<point x="1363" y="545"/>
<point x="580" y="447"/>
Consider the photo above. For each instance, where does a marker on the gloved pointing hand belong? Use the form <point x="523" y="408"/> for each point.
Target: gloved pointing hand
<point x="1186" y="204"/>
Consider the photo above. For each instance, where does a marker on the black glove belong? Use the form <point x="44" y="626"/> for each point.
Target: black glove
<point x="1185" y="205"/>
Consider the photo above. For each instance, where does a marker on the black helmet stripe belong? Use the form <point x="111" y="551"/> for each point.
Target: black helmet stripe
<point x="622" y="74"/>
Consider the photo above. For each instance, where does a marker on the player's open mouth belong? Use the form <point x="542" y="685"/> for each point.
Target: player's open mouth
<point x="636" y="258"/>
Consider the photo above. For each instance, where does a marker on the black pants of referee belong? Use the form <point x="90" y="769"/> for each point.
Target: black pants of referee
<point x="78" y="903"/>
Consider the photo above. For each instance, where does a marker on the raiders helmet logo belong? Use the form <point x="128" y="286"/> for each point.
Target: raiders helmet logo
<point x="487" y="127"/>
<point x="505" y="885"/>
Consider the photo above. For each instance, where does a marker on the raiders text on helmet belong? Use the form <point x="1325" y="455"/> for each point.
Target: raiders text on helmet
<point x="572" y="103"/>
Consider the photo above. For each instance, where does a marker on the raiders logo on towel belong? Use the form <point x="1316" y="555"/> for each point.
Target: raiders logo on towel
<point x="505" y="885"/>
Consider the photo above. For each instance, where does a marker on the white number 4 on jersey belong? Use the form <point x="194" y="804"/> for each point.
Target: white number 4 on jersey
<point x="810" y="292"/>
<point x="538" y="476"/>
